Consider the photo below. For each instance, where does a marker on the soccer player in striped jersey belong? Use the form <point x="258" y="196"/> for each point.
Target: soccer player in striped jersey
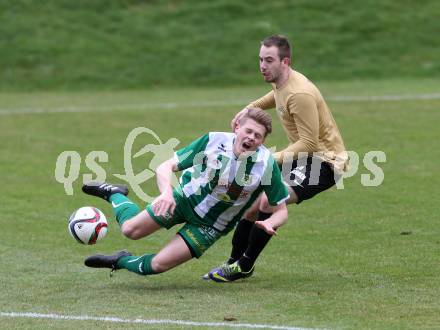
<point x="224" y="173"/>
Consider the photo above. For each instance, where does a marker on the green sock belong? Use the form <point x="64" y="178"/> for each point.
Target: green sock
<point x="139" y="265"/>
<point x="123" y="208"/>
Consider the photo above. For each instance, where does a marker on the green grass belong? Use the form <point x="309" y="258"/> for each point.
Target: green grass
<point x="126" y="44"/>
<point x="340" y="262"/>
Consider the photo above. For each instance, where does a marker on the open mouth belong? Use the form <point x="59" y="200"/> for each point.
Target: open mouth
<point x="246" y="146"/>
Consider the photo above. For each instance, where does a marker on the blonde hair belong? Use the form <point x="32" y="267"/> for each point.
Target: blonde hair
<point x="260" y="116"/>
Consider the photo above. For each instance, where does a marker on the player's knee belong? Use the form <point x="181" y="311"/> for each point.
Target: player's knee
<point x="130" y="231"/>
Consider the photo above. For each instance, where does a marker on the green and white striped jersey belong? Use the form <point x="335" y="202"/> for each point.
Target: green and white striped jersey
<point x="219" y="187"/>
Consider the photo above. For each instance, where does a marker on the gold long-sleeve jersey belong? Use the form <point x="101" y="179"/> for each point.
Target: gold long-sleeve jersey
<point x="307" y="121"/>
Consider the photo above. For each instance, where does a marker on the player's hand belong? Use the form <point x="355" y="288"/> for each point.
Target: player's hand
<point x="267" y="227"/>
<point x="237" y="118"/>
<point x="164" y="205"/>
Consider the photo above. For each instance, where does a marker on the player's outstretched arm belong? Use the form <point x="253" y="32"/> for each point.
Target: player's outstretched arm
<point x="165" y="202"/>
<point x="277" y="219"/>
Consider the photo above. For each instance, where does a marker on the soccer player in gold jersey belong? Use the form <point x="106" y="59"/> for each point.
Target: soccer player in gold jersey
<point x="313" y="161"/>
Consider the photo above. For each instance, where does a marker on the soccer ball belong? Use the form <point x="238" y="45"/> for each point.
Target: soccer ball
<point x="87" y="225"/>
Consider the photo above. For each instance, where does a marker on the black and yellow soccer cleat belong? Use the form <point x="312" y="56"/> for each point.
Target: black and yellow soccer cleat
<point x="229" y="273"/>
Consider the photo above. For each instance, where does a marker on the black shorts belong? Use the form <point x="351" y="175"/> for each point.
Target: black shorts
<point x="308" y="176"/>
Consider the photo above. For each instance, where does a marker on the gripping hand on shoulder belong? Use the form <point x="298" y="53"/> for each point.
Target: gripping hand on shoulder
<point x="237" y="118"/>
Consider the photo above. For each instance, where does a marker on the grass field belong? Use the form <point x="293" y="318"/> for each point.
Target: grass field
<point x="341" y="262"/>
<point x="97" y="44"/>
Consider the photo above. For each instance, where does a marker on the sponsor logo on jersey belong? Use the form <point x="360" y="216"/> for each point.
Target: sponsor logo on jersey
<point x="247" y="180"/>
<point x="281" y="109"/>
<point x="244" y="194"/>
<point x="221" y="147"/>
<point x="224" y="197"/>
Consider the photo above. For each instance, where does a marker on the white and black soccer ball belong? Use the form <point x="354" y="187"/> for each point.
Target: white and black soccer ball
<point x="87" y="225"/>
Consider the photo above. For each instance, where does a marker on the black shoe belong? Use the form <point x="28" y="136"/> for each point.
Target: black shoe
<point x="103" y="261"/>
<point x="104" y="190"/>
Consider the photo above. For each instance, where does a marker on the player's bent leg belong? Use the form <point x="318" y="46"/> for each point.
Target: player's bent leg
<point x="104" y="190"/>
<point x="139" y="226"/>
<point x="173" y="254"/>
<point x="123" y="208"/>
<point x="258" y="238"/>
<point x="240" y="237"/>
<point x="106" y="261"/>
<point x="242" y="230"/>
<point x="116" y="194"/>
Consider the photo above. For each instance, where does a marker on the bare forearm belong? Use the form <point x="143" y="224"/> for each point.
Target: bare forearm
<point x="294" y="150"/>
<point x="278" y="218"/>
<point x="163" y="175"/>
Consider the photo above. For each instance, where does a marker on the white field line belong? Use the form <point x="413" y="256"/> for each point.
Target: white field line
<point x="150" y="322"/>
<point x="378" y="98"/>
<point x="201" y="104"/>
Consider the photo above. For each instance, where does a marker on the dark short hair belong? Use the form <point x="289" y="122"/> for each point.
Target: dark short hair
<point x="281" y="43"/>
<point x="260" y="116"/>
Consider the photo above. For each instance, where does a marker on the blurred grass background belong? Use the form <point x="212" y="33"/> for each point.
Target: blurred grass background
<point x="133" y="44"/>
